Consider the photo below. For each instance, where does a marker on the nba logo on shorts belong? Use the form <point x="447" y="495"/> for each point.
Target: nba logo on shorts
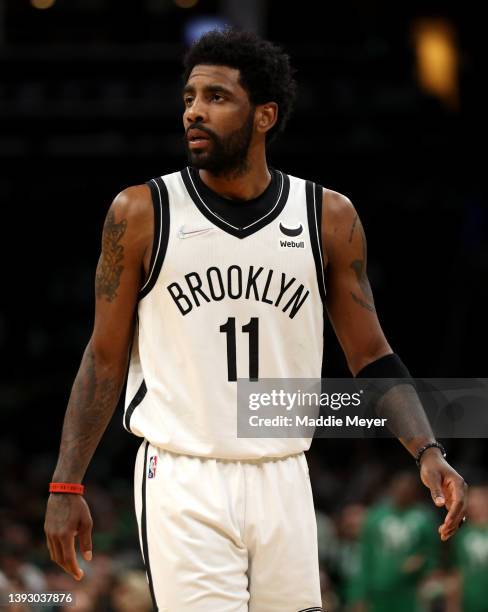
<point x="153" y="461"/>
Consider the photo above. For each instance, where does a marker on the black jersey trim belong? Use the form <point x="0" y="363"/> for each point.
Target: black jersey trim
<point x="159" y="194"/>
<point x="314" y="215"/>
<point x="145" y="548"/>
<point x="311" y="610"/>
<point x="240" y="232"/>
<point x="136" y="400"/>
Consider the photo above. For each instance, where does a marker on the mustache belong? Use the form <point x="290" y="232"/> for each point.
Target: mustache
<point x="198" y="126"/>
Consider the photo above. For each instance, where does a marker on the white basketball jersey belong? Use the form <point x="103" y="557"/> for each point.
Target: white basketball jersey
<point x="223" y="302"/>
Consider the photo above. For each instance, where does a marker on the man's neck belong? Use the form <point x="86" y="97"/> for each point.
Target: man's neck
<point x="247" y="186"/>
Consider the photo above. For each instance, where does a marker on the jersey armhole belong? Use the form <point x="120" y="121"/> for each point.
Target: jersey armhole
<point x="159" y="196"/>
<point x="314" y="196"/>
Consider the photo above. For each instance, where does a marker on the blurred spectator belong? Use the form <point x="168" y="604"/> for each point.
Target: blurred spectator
<point x="330" y="599"/>
<point x="470" y="557"/>
<point x="348" y="560"/>
<point x="326" y="539"/>
<point x="84" y="599"/>
<point x="131" y="593"/>
<point x="399" y="547"/>
<point x="16" y="573"/>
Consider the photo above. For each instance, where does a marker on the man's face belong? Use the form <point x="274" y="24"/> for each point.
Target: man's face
<point x="218" y="120"/>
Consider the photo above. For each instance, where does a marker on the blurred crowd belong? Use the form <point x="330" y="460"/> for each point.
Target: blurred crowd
<point x="377" y="529"/>
<point x="114" y="581"/>
<point x="388" y="557"/>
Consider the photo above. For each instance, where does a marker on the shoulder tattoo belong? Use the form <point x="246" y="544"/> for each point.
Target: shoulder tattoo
<point x="110" y="266"/>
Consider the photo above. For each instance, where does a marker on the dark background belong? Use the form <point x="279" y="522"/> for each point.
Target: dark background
<point x="90" y="104"/>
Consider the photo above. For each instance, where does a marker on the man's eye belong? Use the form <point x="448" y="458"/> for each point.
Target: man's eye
<point x="217" y="97"/>
<point x="187" y="101"/>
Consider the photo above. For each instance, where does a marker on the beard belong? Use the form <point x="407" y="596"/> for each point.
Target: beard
<point x="226" y="156"/>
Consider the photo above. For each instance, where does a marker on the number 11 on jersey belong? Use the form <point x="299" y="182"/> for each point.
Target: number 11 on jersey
<point x="251" y="328"/>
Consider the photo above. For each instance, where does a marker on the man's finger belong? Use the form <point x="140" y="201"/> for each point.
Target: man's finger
<point x="456" y="510"/>
<point x="69" y="561"/>
<point x="447" y="533"/>
<point x="57" y="552"/>
<point x="50" y="548"/>
<point x="48" y="544"/>
<point x="435" y="486"/>
<point x="86" y="540"/>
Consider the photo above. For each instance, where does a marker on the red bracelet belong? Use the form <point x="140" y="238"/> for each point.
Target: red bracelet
<point x="66" y="487"/>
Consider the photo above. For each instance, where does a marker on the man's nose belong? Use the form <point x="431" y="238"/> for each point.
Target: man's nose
<point x="196" y="112"/>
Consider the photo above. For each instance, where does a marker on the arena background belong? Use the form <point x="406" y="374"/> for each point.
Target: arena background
<point x="391" y="112"/>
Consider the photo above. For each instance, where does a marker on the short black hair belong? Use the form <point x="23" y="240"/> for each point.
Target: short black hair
<point x="265" y="70"/>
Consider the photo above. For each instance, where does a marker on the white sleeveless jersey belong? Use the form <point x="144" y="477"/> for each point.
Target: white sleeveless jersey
<point x="223" y="302"/>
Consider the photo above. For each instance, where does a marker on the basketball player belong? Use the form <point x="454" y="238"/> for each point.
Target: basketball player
<point x="207" y="275"/>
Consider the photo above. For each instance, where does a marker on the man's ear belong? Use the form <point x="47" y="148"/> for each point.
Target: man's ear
<point x="266" y="116"/>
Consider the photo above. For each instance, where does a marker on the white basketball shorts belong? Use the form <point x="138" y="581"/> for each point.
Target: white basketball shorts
<point x="227" y="536"/>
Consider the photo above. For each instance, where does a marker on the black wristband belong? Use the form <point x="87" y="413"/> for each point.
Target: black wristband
<point x="422" y="450"/>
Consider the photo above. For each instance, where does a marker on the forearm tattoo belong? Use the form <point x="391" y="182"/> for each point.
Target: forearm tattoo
<point x="91" y="405"/>
<point x="110" y="266"/>
<point x="359" y="267"/>
<point x="405" y="415"/>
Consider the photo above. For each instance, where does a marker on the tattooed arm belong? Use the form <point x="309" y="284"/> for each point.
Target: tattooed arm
<point x="352" y="313"/>
<point x="349" y="298"/>
<point x="126" y="247"/>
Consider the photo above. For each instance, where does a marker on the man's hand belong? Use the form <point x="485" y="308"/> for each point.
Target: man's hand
<point x="447" y="488"/>
<point x="68" y="516"/>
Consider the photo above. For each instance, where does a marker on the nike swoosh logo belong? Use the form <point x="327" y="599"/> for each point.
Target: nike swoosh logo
<point x="294" y="231"/>
<point x="190" y="233"/>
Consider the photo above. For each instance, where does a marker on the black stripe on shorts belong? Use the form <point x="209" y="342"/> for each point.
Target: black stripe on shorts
<point x="145" y="551"/>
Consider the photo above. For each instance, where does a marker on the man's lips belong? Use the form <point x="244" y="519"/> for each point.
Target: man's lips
<point x="195" y="135"/>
